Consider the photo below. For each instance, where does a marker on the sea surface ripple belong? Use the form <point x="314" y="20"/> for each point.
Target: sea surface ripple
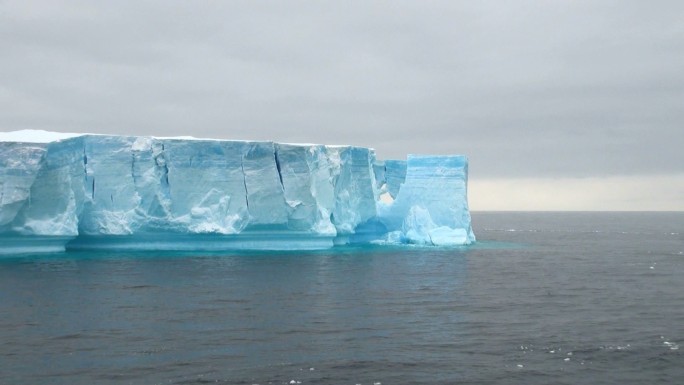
<point x="562" y="298"/>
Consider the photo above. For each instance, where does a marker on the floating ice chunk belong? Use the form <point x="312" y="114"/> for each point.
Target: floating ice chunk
<point x="173" y="193"/>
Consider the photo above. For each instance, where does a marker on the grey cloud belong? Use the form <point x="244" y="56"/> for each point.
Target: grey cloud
<point x="525" y="88"/>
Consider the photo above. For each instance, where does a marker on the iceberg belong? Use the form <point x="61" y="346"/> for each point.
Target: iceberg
<point x="86" y="191"/>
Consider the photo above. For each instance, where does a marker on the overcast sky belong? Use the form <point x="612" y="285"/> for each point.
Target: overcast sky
<point x="558" y="104"/>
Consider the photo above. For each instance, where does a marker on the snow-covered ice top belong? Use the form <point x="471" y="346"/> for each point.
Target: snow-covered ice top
<point x="35" y="136"/>
<point x="169" y="193"/>
<point x="42" y="136"/>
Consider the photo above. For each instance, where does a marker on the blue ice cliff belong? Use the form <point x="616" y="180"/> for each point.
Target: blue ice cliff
<point x="76" y="191"/>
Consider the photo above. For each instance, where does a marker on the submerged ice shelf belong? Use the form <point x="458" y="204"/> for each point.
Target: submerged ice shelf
<point x="62" y="191"/>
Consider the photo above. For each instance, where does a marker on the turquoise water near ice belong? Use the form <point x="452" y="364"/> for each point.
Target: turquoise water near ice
<point x="563" y="298"/>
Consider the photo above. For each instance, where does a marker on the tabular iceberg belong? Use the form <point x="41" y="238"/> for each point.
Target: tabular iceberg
<point x="76" y="191"/>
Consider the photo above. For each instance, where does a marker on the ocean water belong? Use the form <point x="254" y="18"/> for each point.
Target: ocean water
<point x="543" y="298"/>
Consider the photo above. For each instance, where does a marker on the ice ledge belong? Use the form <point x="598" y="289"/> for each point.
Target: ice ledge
<point x="124" y="192"/>
<point x="32" y="244"/>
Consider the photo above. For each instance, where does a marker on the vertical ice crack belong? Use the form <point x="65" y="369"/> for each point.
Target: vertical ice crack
<point x="135" y="180"/>
<point x="431" y="241"/>
<point x="85" y="164"/>
<point x="244" y="180"/>
<point x="277" y="162"/>
<point x="163" y="167"/>
<point x="165" y="173"/>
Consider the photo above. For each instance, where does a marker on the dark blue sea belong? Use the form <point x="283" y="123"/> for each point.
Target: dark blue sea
<point x="543" y="298"/>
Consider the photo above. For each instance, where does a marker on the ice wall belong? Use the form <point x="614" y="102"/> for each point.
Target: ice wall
<point x="431" y="205"/>
<point x="19" y="167"/>
<point x="124" y="192"/>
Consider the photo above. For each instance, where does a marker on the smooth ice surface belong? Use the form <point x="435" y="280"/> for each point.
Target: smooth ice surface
<point x="102" y="191"/>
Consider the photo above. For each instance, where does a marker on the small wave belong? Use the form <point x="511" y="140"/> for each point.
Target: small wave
<point x="615" y="347"/>
<point x="132" y="287"/>
<point x="68" y="336"/>
<point x="669" y="344"/>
